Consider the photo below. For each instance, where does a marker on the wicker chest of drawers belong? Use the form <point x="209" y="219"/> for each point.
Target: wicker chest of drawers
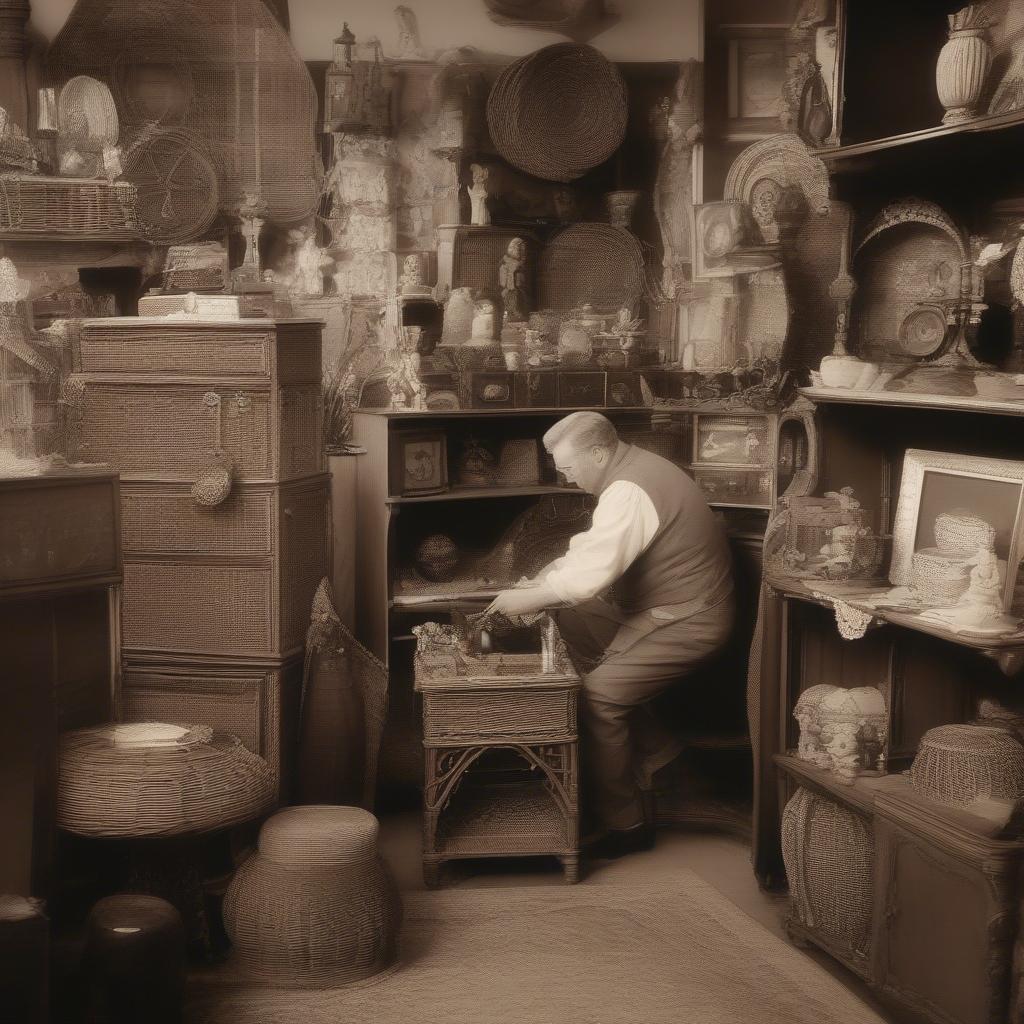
<point x="216" y="597"/>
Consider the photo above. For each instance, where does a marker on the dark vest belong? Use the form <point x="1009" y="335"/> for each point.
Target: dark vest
<point x="688" y="561"/>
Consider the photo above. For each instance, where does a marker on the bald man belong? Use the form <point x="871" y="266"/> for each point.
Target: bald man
<point x="663" y="554"/>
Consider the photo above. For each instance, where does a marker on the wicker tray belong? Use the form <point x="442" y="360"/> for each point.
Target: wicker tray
<point x="558" y="112"/>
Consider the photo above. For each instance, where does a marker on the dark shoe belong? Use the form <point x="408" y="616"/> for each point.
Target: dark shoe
<point x="617" y="842"/>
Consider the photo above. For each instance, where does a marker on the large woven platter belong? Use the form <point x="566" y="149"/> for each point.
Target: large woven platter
<point x="558" y="112"/>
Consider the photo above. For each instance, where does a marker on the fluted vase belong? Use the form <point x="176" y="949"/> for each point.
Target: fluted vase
<point x="963" y="66"/>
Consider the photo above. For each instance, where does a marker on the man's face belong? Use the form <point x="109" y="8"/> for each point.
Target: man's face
<point x="583" y="468"/>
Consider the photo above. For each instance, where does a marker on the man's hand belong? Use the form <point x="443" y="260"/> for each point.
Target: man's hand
<point x="523" y="601"/>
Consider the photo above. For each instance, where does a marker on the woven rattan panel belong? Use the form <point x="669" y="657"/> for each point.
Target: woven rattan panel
<point x="304" y="529"/>
<point x="257" y="704"/>
<point x="195" y="353"/>
<point x="198" y="608"/>
<point x="163" y="518"/>
<point x="171" y="430"/>
<point x="298" y="354"/>
<point x="505" y="712"/>
<point x="67" y="207"/>
<point x="301" y="426"/>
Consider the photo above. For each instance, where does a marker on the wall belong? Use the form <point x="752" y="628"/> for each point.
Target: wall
<point x="656" y="30"/>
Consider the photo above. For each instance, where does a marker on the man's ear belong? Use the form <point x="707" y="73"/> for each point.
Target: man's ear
<point x="600" y="454"/>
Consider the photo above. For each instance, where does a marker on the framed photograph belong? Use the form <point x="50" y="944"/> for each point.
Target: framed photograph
<point x="952" y="505"/>
<point x="757" y="71"/>
<point x="719" y="232"/>
<point x="731" y="441"/>
<point x="419" y="463"/>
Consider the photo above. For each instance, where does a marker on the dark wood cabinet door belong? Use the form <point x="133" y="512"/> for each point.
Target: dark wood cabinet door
<point x="942" y="929"/>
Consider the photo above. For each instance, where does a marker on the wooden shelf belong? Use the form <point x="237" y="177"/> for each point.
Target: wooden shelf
<point x="468" y="493"/>
<point x="801" y="590"/>
<point x="860" y="796"/>
<point x="901" y="400"/>
<point x="926" y="141"/>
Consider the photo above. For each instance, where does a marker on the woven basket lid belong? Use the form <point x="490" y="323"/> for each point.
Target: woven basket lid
<point x="319" y="835"/>
<point x="986" y="740"/>
<point x="558" y="112"/>
<point x="155" y="779"/>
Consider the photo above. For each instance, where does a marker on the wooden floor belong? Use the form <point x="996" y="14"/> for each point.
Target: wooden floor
<point x="722" y="861"/>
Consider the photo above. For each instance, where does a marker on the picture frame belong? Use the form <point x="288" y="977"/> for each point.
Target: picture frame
<point x="731" y="441"/>
<point x="989" y="489"/>
<point x="720" y="229"/>
<point x="757" y="68"/>
<point x="420" y="463"/>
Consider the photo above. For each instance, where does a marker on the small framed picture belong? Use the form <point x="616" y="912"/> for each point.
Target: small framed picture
<point x="419" y="463"/>
<point x="731" y="441"/>
<point x="953" y="508"/>
<point x="757" y="71"/>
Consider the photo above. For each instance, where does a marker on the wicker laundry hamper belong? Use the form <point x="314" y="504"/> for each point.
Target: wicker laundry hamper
<point x="958" y="764"/>
<point x="829" y="855"/>
<point x="314" y="907"/>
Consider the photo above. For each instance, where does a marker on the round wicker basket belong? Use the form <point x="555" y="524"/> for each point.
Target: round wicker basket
<point x="958" y="764"/>
<point x="153" y="779"/>
<point x="939" y="576"/>
<point x="315" y="906"/>
<point x="558" y="112"/>
<point x="961" y="533"/>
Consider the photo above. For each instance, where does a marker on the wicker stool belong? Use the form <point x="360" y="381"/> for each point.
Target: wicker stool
<point x="136" y="959"/>
<point x="315" y="906"/>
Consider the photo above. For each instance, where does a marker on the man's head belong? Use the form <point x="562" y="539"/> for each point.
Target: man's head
<point x="583" y="446"/>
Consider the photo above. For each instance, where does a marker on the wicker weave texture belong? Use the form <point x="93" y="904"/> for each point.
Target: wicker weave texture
<point x="44" y="207"/>
<point x="958" y="764"/>
<point x="960" y="532"/>
<point x="146" y="779"/>
<point x="257" y="704"/>
<point x="203" y="353"/>
<point x="940" y="577"/>
<point x="558" y="112"/>
<point x="829" y="856"/>
<point x="594" y="264"/>
<point x="315" y="906"/>
<point x="499" y="712"/>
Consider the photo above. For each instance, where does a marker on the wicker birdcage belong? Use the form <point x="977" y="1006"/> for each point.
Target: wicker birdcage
<point x="591" y="264"/>
<point x="225" y="71"/>
<point x="829" y="856"/>
<point x="156" y="779"/>
<point x="558" y="112"/>
<point x="958" y="764"/>
<point x="315" y="906"/>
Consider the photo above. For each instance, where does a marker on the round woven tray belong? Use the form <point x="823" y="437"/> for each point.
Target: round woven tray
<point x="558" y="112"/>
<point x="593" y="264"/>
<point x="152" y="779"/>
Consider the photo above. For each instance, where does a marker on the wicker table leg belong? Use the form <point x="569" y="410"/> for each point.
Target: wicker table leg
<point x="571" y="868"/>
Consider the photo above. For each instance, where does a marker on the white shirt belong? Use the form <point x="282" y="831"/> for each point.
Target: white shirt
<point x="623" y="526"/>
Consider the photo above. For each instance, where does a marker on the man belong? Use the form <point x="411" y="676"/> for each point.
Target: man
<point x="654" y="538"/>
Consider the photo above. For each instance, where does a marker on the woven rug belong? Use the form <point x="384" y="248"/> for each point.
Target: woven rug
<point x="585" y="954"/>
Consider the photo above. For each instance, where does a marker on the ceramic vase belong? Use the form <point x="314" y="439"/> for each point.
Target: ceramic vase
<point x="963" y="66"/>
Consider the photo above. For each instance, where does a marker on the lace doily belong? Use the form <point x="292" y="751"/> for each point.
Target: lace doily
<point x="851" y="622"/>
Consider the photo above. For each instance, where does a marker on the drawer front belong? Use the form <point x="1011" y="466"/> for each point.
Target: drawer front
<point x="190" y="607"/>
<point x="163" y="519"/>
<point x="59" y="532"/>
<point x="173" y="430"/>
<point x="199" y="353"/>
<point x="258" y="705"/>
<point x="505" y="713"/>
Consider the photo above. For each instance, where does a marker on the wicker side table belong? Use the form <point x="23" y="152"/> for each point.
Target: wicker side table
<point x="501" y="746"/>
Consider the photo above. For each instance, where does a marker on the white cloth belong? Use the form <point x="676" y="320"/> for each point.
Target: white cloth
<point x="623" y="526"/>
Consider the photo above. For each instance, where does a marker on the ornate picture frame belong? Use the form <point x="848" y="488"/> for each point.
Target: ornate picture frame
<point x="991" y="489"/>
<point x="757" y="66"/>
<point x="420" y="465"/>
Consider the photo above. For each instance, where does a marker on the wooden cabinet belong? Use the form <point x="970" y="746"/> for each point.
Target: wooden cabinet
<point x="60" y="566"/>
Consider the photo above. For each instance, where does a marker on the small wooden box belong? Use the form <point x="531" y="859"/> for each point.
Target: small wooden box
<point x="583" y="390"/>
<point x="493" y="390"/>
<point x="537" y="389"/>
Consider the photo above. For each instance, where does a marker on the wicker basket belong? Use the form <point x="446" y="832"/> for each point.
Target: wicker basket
<point x="958" y="764"/>
<point x="959" y="532"/>
<point x="36" y="206"/>
<point x="154" y="779"/>
<point x="941" y="578"/>
<point x="314" y="907"/>
<point x="558" y="112"/>
<point x="829" y="855"/>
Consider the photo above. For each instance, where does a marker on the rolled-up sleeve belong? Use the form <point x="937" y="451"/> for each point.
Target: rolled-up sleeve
<point x="624" y="524"/>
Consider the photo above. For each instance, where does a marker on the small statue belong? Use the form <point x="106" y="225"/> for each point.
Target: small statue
<point x="250" y="212"/>
<point x="479" y="214"/>
<point x="308" y="263"/>
<point x="411" y="280"/>
<point x="980" y="607"/>
<point x="512" y="275"/>
<point x="485" y="321"/>
<point x="409" y="46"/>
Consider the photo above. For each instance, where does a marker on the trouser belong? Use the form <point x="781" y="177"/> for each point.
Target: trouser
<point x="625" y="663"/>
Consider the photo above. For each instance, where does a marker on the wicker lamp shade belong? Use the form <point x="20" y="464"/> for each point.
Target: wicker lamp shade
<point x="591" y="263"/>
<point x="315" y="906"/>
<point x="153" y="779"/>
<point x="558" y="112"/>
<point x="958" y="764"/>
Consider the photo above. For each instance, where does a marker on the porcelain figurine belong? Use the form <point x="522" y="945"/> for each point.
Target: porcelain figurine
<point x="514" y="280"/>
<point x="479" y="213"/>
<point x="411" y="280"/>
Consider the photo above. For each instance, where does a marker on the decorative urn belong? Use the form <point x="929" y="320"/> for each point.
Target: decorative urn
<point x="963" y="65"/>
